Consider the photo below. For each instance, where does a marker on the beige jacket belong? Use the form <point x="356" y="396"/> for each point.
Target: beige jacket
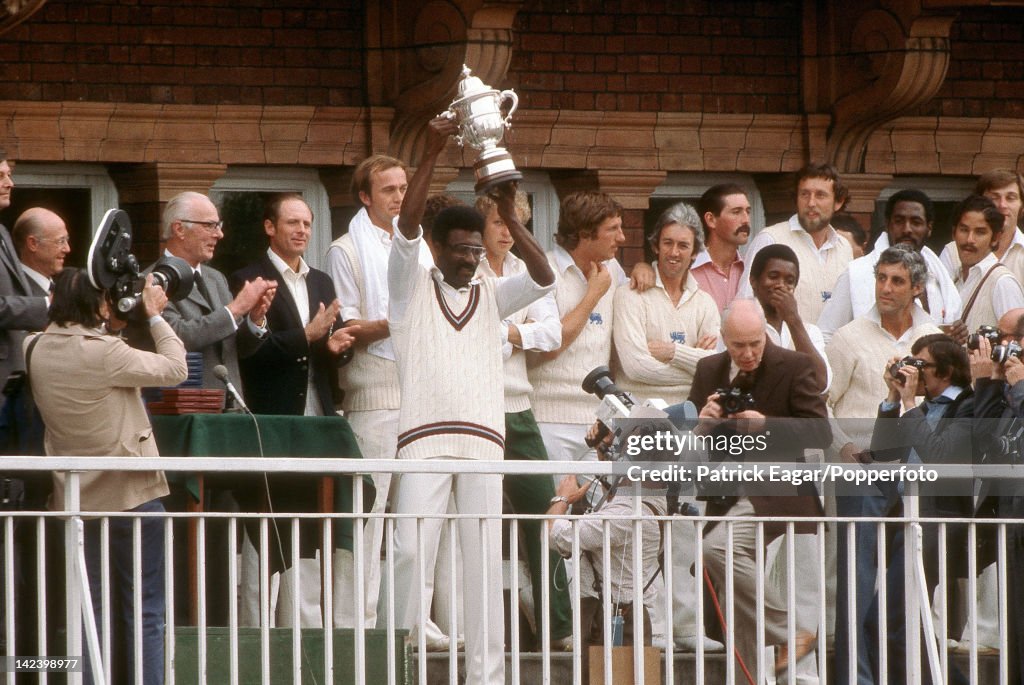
<point x="86" y="385"/>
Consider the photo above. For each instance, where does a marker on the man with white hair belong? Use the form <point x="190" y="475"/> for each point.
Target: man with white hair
<point x="781" y="383"/>
<point x="207" y="319"/>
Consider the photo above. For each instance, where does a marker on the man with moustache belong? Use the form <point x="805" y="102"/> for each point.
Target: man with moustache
<point x="988" y="288"/>
<point x="725" y="215"/>
<point x="455" y="408"/>
<point x="908" y="221"/>
<point x="1005" y="188"/>
<point x="822" y="252"/>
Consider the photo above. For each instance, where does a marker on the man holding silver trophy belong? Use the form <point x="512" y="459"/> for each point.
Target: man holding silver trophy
<point x="458" y="415"/>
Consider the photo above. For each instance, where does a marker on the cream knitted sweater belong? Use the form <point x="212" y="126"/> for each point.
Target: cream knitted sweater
<point x="858" y="353"/>
<point x="370" y="382"/>
<point x="640" y="317"/>
<point x="557" y="395"/>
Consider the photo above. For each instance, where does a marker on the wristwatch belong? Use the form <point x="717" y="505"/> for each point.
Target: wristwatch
<point x="559" y="498"/>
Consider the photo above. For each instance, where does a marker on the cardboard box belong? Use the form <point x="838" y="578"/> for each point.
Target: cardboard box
<point x="622" y="665"/>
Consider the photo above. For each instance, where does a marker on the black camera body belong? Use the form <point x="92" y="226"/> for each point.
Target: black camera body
<point x="894" y="369"/>
<point x="734" y="400"/>
<point x="112" y="267"/>
<point x="990" y="332"/>
<point x="1000" y="353"/>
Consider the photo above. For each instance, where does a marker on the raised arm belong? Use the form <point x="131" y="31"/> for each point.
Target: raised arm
<point x="438" y="131"/>
<point x="529" y="249"/>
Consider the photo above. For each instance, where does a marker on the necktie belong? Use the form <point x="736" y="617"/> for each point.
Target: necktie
<point x="200" y="283"/>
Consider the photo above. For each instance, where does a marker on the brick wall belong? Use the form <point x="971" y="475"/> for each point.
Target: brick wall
<point x="986" y="73"/>
<point x="208" y="52"/>
<point x="718" y="56"/>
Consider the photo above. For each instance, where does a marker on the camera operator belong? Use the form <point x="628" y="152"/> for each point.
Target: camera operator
<point x="626" y="592"/>
<point x="938" y="431"/>
<point x="999" y="404"/>
<point x="781" y="383"/>
<point x="85" y="381"/>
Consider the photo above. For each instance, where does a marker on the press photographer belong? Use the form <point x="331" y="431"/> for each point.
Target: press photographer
<point x="999" y="426"/>
<point x="85" y="381"/>
<point x="781" y="383"/>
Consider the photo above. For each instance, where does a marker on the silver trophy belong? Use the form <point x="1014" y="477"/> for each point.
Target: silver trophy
<point x="482" y="126"/>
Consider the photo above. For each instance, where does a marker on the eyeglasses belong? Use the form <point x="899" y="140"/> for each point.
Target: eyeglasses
<point x="211" y="226"/>
<point x="59" y="242"/>
<point x="476" y="252"/>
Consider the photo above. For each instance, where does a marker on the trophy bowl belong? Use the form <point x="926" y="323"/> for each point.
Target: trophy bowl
<point x="478" y="111"/>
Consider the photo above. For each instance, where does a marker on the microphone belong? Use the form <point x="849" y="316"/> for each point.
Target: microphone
<point x="221" y="372"/>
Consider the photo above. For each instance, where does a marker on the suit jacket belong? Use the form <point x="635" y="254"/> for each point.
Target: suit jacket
<point x="20" y="311"/>
<point x="207" y="327"/>
<point x="275" y="369"/>
<point x="948" y="442"/>
<point x="86" y="386"/>
<point x="783" y="387"/>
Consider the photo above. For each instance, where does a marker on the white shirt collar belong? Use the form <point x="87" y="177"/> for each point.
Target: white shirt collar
<point x="984" y="265"/>
<point x="830" y="242"/>
<point x="563" y="260"/>
<point x="702" y="258"/>
<point x="41" y="280"/>
<point x="919" y="316"/>
<point x="285" y="270"/>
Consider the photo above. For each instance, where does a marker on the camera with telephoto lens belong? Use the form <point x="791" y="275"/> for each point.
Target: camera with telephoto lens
<point x="894" y="370"/>
<point x="734" y="400"/>
<point x="1000" y="353"/>
<point x="113" y="268"/>
<point x="990" y="332"/>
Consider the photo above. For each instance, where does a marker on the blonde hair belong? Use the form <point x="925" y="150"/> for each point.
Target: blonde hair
<point x="484" y="205"/>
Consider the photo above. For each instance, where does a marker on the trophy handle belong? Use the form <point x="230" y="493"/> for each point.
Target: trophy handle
<point x="511" y="96"/>
<point x="450" y="114"/>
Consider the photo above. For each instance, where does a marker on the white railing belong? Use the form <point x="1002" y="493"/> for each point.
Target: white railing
<point x="83" y="637"/>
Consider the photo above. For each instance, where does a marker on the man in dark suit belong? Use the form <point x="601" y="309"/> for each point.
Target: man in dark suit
<point x="41" y="240"/>
<point x="294" y="368"/>
<point x="782" y="384"/>
<point x="20" y="311"/>
<point x="207" y="319"/>
<point x="938" y="431"/>
<point x="998" y="433"/>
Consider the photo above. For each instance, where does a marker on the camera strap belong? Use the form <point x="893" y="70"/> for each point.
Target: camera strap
<point x="974" y="296"/>
<point x="28" y="359"/>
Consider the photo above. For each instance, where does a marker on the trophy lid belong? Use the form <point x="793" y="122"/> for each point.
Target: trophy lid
<point x="469" y="84"/>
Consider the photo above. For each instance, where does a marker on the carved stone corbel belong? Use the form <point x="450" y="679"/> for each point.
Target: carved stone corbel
<point x="889" y="59"/>
<point x="415" y="57"/>
<point x="13" y="12"/>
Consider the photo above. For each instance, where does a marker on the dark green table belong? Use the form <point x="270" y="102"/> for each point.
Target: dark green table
<point x="234" y="435"/>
